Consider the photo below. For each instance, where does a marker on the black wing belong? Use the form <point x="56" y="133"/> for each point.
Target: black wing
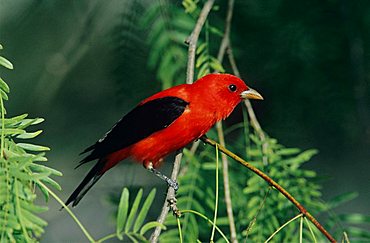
<point x="138" y="124"/>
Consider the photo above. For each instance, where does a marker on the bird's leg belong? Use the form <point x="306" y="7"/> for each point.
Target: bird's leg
<point x="168" y="180"/>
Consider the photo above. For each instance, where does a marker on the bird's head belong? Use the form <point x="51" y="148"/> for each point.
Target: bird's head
<point x="225" y="91"/>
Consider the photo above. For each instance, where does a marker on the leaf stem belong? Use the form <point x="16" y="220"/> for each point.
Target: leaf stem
<point x="107" y="237"/>
<point x="309" y="227"/>
<point x="179" y="227"/>
<point x="301" y="229"/>
<point x="69" y="211"/>
<point x="281" y="227"/>
<point x="208" y="220"/>
<point x="216" y="200"/>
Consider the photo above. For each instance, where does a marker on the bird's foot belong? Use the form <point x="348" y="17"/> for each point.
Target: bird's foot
<point x="172" y="183"/>
<point x="169" y="181"/>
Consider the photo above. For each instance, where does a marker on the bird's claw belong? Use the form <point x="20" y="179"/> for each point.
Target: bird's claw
<point x="173" y="184"/>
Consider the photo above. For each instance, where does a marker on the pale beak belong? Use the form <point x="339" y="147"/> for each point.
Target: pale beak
<point x="251" y="94"/>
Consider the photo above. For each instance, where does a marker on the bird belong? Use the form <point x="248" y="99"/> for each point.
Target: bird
<point x="163" y="123"/>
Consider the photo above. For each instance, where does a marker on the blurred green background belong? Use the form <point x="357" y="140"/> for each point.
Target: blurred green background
<point x="83" y="64"/>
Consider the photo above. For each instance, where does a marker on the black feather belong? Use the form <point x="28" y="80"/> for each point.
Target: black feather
<point x="89" y="180"/>
<point x="138" y="124"/>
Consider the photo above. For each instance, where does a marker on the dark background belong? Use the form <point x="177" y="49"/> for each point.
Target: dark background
<point x="309" y="59"/>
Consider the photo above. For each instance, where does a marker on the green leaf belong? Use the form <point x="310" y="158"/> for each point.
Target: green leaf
<point x="12" y="131"/>
<point x="201" y="59"/>
<point x="51" y="182"/>
<point x="122" y="212"/>
<point x="151" y="225"/>
<point x="288" y="151"/>
<point x="201" y="48"/>
<point x="216" y="65"/>
<point x="208" y="166"/>
<point x="204" y="70"/>
<point x="28" y="135"/>
<point x="343" y="198"/>
<point x="32" y="147"/>
<point x="42" y="168"/>
<point x="27" y="122"/>
<point x="135" y="206"/>
<point x="355" y="232"/>
<point x="4" y="95"/>
<point x="144" y="211"/>
<point x="33" y="218"/>
<point x="355" y="218"/>
<point x="10" y="220"/>
<point x="4" y="86"/>
<point x="5" y="63"/>
<point x="215" y="31"/>
<point x="44" y="192"/>
<point x="33" y="207"/>
<point x="15" y="120"/>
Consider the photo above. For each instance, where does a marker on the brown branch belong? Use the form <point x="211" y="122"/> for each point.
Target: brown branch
<point x="192" y="40"/>
<point x="273" y="183"/>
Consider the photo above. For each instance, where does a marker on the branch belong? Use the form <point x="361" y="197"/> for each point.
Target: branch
<point x="192" y="40"/>
<point x="225" y="175"/>
<point x="226" y="38"/>
<point x="254" y="122"/>
<point x="225" y="163"/>
<point x="170" y="202"/>
<point x="273" y="183"/>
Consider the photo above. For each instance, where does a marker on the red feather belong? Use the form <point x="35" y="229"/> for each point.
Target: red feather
<point x="210" y="99"/>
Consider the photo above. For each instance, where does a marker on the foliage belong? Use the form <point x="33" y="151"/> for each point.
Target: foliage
<point x="21" y="170"/>
<point x="130" y="220"/>
<point x="168" y="27"/>
<point x="259" y="209"/>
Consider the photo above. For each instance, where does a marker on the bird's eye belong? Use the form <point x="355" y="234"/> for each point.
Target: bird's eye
<point x="232" y="87"/>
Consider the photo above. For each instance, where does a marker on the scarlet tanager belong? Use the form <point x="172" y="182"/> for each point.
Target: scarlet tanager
<point x="163" y="123"/>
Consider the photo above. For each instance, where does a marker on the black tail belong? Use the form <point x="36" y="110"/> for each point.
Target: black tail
<point x="90" y="179"/>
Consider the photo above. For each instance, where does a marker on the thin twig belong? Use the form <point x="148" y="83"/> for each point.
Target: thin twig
<point x="192" y="40"/>
<point x="216" y="200"/>
<point x="281" y="227"/>
<point x="69" y="211"/>
<point x="225" y="163"/>
<point x="208" y="220"/>
<point x="226" y="37"/>
<point x="311" y="231"/>
<point x="225" y="175"/>
<point x="254" y="122"/>
<point x="253" y="221"/>
<point x="169" y="202"/>
<point x="273" y="183"/>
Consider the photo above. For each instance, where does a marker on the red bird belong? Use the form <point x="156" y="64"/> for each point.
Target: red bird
<point x="163" y="123"/>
